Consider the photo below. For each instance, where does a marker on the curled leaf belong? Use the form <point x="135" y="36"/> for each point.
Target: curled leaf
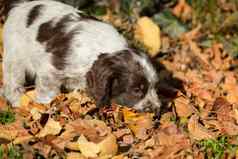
<point x="197" y="131"/>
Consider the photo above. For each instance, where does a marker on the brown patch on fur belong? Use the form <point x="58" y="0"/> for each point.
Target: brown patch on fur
<point x="57" y="40"/>
<point x="33" y="14"/>
<point x="117" y="77"/>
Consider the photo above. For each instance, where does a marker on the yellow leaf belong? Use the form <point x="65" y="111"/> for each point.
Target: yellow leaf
<point x="108" y="146"/>
<point x="138" y="123"/>
<point x="148" y="33"/>
<point x="51" y="128"/>
<point x="27" y="98"/>
<point x="88" y="149"/>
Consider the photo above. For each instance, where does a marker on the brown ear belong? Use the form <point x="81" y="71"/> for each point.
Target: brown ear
<point x="99" y="80"/>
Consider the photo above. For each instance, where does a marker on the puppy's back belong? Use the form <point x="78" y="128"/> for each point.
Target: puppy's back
<point x="69" y="36"/>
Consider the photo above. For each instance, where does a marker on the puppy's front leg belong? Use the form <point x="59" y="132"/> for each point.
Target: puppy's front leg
<point x="47" y="87"/>
<point x="13" y="80"/>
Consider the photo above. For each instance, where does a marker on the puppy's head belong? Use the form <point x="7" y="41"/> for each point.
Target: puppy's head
<point x="126" y="78"/>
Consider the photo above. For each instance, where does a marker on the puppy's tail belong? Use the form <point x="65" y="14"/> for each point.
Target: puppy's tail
<point x="7" y="5"/>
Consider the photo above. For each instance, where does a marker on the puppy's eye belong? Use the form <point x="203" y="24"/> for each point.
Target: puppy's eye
<point x="137" y="89"/>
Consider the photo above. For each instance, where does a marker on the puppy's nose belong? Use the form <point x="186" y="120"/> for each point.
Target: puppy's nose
<point x="151" y="107"/>
<point x="148" y="107"/>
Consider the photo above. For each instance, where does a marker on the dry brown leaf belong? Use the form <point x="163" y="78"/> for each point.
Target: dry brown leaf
<point x="121" y="132"/>
<point x="22" y="136"/>
<point x="197" y="131"/>
<point x="148" y="33"/>
<point x="119" y="157"/>
<point x="52" y="127"/>
<point x="165" y="119"/>
<point x="80" y="102"/>
<point x="11" y="131"/>
<point x="182" y="10"/>
<point x="3" y="103"/>
<point x="183" y="107"/>
<point x="171" y="135"/>
<point x="75" y="155"/>
<point x="108" y="146"/>
<point x="87" y="148"/>
<point x="231" y="87"/>
<point x="198" y="52"/>
<point x="217" y="61"/>
<point x="72" y="146"/>
<point x="43" y="149"/>
<point x="128" y="139"/>
<point x="139" y="123"/>
<point x="229" y="128"/>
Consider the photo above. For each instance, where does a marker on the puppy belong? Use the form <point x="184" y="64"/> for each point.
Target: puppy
<point x="57" y="45"/>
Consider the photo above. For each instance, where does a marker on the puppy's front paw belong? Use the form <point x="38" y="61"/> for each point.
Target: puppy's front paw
<point x="45" y="98"/>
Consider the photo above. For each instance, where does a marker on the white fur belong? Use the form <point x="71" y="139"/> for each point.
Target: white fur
<point x="23" y="53"/>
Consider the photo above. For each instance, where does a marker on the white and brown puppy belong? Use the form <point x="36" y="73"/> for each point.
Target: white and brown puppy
<point x="58" y="45"/>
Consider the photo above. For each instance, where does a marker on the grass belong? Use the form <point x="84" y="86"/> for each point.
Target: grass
<point x="216" y="148"/>
<point x="7" y="117"/>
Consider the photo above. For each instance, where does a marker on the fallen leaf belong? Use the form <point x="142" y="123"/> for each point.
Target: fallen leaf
<point x="80" y="102"/>
<point x="171" y="135"/>
<point x="108" y="146"/>
<point x="52" y="127"/>
<point x="182" y="10"/>
<point x="27" y="98"/>
<point x="128" y="139"/>
<point x="87" y="148"/>
<point x="121" y="157"/>
<point x="43" y="149"/>
<point x="197" y="131"/>
<point x="138" y="123"/>
<point x="75" y="155"/>
<point x="148" y="33"/>
<point x="22" y="139"/>
<point x="36" y="115"/>
<point x="121" y="132"/>
<point x="183" y="107"/>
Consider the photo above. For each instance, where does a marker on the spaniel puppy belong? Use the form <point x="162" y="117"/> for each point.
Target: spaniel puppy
<point x="57" y="45"/>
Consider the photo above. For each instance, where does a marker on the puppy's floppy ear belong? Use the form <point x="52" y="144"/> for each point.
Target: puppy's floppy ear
<point x="99" y="80"/>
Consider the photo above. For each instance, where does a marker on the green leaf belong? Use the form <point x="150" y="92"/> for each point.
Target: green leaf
<point x="1" y="152"/>
<point x="126" y="6"/>
<point x="7" y="117"/>
<point x="214" y="149"/>
<point x="146" y="4"/>
<point x="99" y="10"/>
<point x="170" y="24"/>
<point x="230" y="45"/>
<point x="13" y="153"/>
<point x="230" y="21"/>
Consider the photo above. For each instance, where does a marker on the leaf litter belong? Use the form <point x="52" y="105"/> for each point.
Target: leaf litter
<point x="199" y="119"/>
